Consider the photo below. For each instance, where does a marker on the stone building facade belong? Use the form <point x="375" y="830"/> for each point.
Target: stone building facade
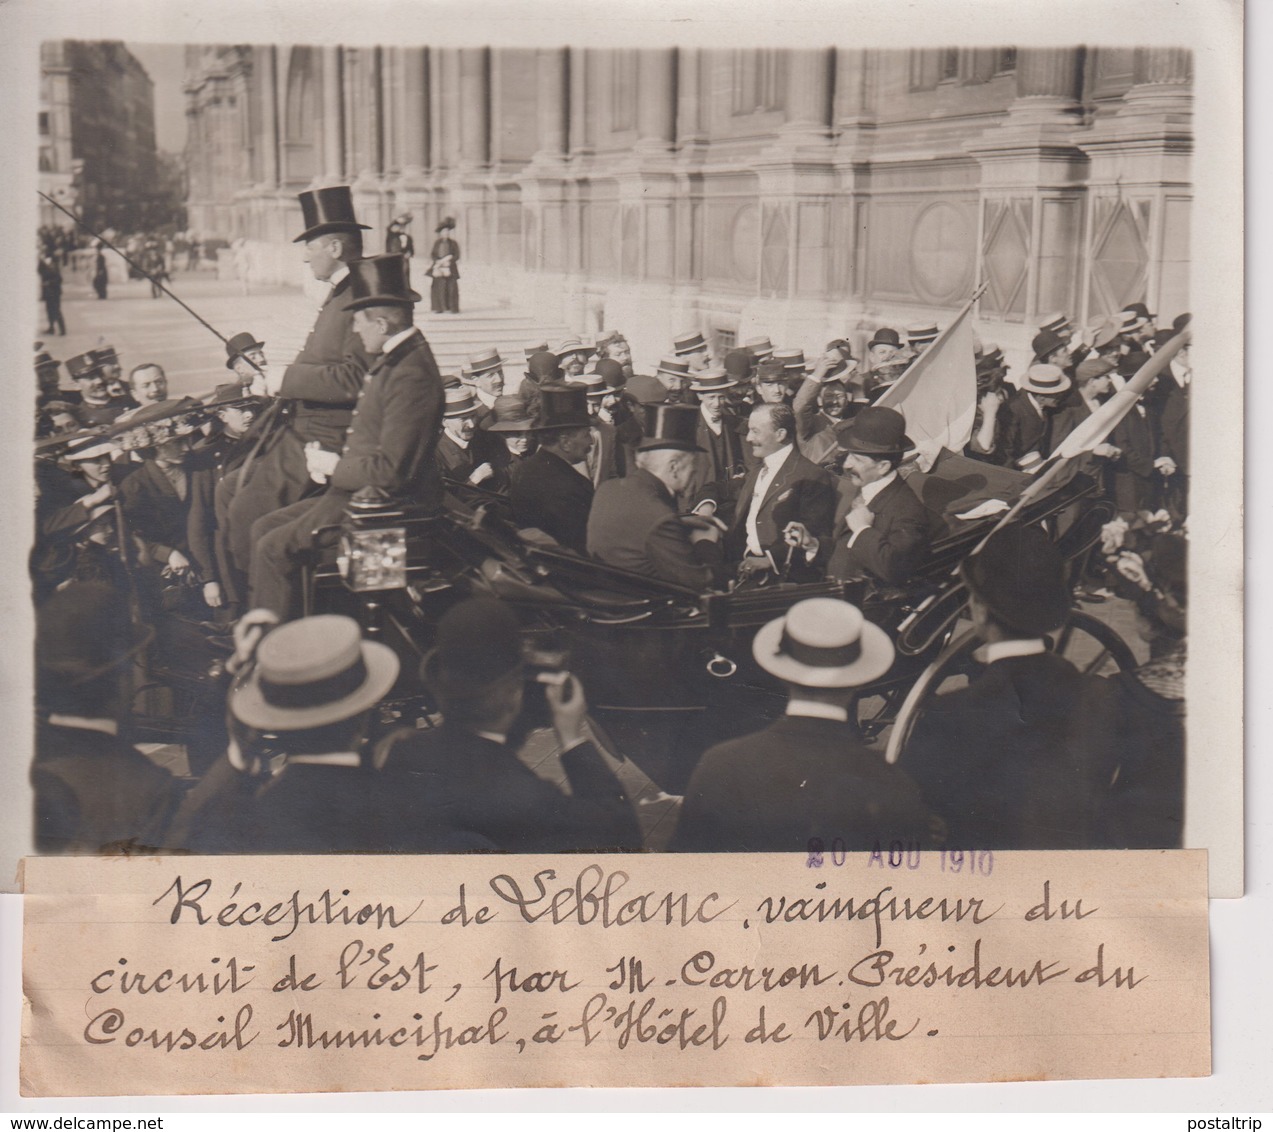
<point x="97" y="134"/>
<point x="804" y="194"/>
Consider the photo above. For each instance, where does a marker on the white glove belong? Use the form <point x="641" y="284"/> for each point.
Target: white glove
<point x="320" y="462"/>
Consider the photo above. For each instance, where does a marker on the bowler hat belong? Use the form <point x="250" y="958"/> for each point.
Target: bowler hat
<point x="479" y="644"/>
<point x="714" y="380"/>
<point x="543" y="366"/>
<point x="885" y="336"/>
<point x="562" y="406"/>
<point x="738" y="364"/>
<point x="509" y="414"/>
<point x="314" y="672"/>
<point x="380" y="281"/>
<point x="240" y="344"/>
<point x="688" y="342"/>
<point x="83" y="365"/>
<point x="45" y="360"/>
<point x="875" y="431"/>
<point x="1020" y="575"/>
<point x="1181" y="321"/>
<point x="327" y="210"/>
<point x="1046" y="343"/>
<point x="823" y="642"/>
<point x="670" y="426"/>
<point x="1045" y="379"/>
<point x="612" y="373"/>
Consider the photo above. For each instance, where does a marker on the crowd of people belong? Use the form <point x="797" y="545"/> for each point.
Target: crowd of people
<point x="758" y="468"/>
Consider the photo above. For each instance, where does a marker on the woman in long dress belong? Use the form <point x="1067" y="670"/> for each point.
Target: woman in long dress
<point x="444" y="270"/>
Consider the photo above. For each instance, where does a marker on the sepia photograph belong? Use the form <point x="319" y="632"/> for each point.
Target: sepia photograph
<point x="522" y="449"/>
<point x="637" y="440"/>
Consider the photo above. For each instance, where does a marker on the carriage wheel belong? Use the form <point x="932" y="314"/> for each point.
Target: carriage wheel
<point x="1088" y="643"/>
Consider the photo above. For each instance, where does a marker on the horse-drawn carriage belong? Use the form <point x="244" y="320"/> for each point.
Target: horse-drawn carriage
<point x="668" y="670"/>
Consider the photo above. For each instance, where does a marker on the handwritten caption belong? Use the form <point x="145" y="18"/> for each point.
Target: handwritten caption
<point x="508" y="963"/>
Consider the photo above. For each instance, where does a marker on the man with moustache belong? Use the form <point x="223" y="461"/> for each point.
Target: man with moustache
<point x="459" y="453"/>
<point x="548" y="492"/>
<point x="721" y="464"/>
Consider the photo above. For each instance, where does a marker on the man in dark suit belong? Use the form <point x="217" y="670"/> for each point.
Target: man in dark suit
<point x="464" y="779"/>
<point x="635" y="523"/>
<point x="782" y="489"/>
<point x="463" y="452"/>
<point x="322" y="385"/>
<point x="1023" y="757"/>
<point x="882" y="529"/>
<point x="722" y="465"/>
<point x="808" y="776"/>
<point x="390" y="446"/>
<point x="1025" y="417"/>
<point x="548" y="490"/>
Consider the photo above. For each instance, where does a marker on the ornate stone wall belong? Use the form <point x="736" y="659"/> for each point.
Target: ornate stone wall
<point x="804" y="194"/>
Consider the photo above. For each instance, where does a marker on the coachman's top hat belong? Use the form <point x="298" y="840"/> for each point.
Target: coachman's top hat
<point x="1020" y="575"/>
<point x="562" y="406"/>
<point x="875" y="431"/>
<point x="327" y="210"/>
<point x="240" y="344"/>
<point x="314" y="672"/>
<point x="885" y="336"/>
<point x="670" y="426"/>
<point x="380" y="281"/>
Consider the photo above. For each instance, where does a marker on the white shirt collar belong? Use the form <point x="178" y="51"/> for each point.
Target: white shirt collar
<point x="487" y="399"/>
<point x="106" y="726"/>
<point x="715" y="426"/>
<point x="457" y="441"/>
<point x="1001" y="650"/>
<point x="871" y="490"/>
<point x="342" y="269"/>
<point x="775" y="460"/>
<point x="397" y="339"/>
<point x="811" y="709"/>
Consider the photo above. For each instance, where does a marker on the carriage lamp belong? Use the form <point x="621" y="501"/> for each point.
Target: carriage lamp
<point x="373" y="555"/>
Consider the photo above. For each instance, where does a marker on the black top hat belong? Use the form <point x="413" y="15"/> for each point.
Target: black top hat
<point x="562" y="406"/>
<point x="83" y="365"/>
<point x="875" y="431"/>
<point x="328" y="210"/>
<point x="1020" y="575"/>
<point x="670" y="426"/>
<point x="885" y="336"/>
<point x="448" y="222"/>
<point x="479" y="643"/>
<point x="241" y="343"/>
<point x="380" y="281"/>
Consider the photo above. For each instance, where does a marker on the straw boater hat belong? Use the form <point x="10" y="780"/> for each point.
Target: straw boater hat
<point x="875" y="431"/>
<point x="593" y="384"/>
<point x="509" y="414"/>
<point x="670" y="426"/>
<point x="716" y="379"/>
<point x="759" y="347"/>
<point x="1045" y="379"/>
<point x="673" y="367"/>
<point x="1134" y="316"/>
<point x="314" y="672"/>
<point x="535" y="348"/>
<point x="688" y="342"/>
<point x="239" y="345"/>
<point x="1057" y="324"/>
<point x="790" y="360"/>
<point x="1105" y="333"/>
<point x="1020" y="575"/>
<point x="921" y="332"/>
<point x="380" y="281"/>
<point x="572" y="346"/>
<point x="327" y="210"/>
<point x="484" y="361"/>
<point x="823" y="642"/>
<point x="459" y="401"/>
<point x="885" y="336"/>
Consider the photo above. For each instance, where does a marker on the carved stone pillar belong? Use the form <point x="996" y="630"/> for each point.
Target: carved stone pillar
<point x="474" y="93"/>
<point x="577" y="70"/>
<point x="333" y="118"/>
<point x="551" y="69"/>
<point x="414" y="143"/>
<point x="656" y="106"/>
<point x="808" y="97"/>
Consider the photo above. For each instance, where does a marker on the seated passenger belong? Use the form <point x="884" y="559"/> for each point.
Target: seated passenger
<point x="548" y="492"/>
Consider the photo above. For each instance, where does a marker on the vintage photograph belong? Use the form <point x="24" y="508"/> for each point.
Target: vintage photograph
<point x="527" y="449"/>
